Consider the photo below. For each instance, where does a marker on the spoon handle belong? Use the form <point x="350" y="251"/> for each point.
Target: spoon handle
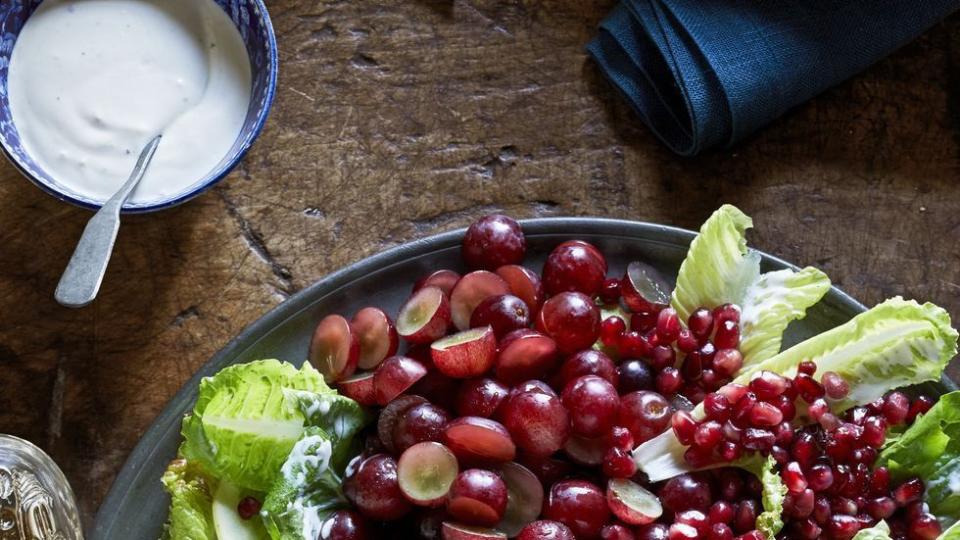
<point x="81" y="280"/>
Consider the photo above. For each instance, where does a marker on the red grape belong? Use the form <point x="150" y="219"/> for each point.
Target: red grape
<point x="538" y="423"/>
<point x="374" y="490"/>
<point x="571" y="319"/>
<point x="503" y="312"/>
<point x="646" y="414"/>
<point x="593" y="404"/>
<point x="574" y="266"/>
<point x="493" y="241"/>
<point x="579" y="505"/>
<point x="477" y="497"/>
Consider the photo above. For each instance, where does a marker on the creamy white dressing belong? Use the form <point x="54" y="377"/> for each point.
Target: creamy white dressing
<point x="91" y="81"/>
<point x="310" y="454"/>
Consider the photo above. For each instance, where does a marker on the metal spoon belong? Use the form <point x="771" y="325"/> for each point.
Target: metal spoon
<point x="81" y="280"/>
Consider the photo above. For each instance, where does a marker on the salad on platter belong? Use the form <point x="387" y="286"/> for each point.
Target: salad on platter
<point x="567" y="404"/>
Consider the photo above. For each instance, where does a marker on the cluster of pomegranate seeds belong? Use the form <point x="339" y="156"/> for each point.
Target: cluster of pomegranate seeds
<point x="504" y="418"/>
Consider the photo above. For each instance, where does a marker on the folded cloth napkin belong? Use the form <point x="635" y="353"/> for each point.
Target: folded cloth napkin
<point x="705" y="73"/>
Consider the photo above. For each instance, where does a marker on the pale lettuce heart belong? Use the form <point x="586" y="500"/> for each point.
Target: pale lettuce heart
<point x="720" y="269"/>
<point x="244" y="424"/>
<point x="880" y="531"/>
<point x="897" y="343"/>
<point x="770" y="521"/>
<point x="191" y="502"/>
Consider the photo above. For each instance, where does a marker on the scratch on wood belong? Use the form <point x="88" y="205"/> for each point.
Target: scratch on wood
<point x="256" y="244"/>
<point x="301" y="94"/>
<point x="55" y="414"/>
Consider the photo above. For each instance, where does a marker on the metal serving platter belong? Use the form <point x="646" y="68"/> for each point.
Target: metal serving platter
<point x="136" y="506"/>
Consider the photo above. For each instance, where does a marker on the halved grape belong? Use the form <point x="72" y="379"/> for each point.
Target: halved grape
<point x="643" y="287"/>
<point x="334" y="349"/>
<point x="632" y="503"/>
<point x="457" y="531"/>
<point x="359" y="387"/>
<point x="479" y="440"/>
<point x="467" y="354"/>
<point x="584" y="451"/>
<point x="442" y="279"/>
<point x="477" y="497"/>
<point x="378" y="337"/>
<point x="524" y="283"/>
<point x="524" y="498"/>
<point x="472" y="289"/>
<point x="525" y="354"/>
<point x="424" y="317"/>
<point x="394" y="376"/>
<point x="425" y="473"/>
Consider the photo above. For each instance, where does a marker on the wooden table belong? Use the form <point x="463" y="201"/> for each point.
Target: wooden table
<point x="396" y="120"/>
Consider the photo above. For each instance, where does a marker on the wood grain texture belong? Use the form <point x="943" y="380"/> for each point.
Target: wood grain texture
<point x="396" y="120"/>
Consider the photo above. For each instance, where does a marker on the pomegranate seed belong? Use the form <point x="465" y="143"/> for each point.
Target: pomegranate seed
<point x="758" y="439"/>
<point x="880" y="481"/>
<point x="780" y="454"/>
<point x="876" y="406"/>
<point x="752" y="535"/>
<point x="925" y="527"/>
<point x="829" y="421"/>
<point x="821" y="510"/>
<point x="248" y="507"/>
<point x="765" y="414"/>
<point x="768" y="385"/>
<point x="692" y="368"/>
<point x="731" y="432"/>
<point x="807" y="367"/>
<point x="684" y="426"/>
<point x="793" y="477"/>
<point x="727" y="312"/>
<point x="632" y="344"/>
<point x="708" y="434"/>
<point x="720" y="531"/>
<point x="733" y="391"/>
<point x="843" y="526"/>
<point x="820" y="477"/>
<point x="908" y="492"/>
<point x="808" y="388"/>
<point x="686" y="341"/>
<point x="662" y="357"/>
<point x="786" y="406"/>
<point x="806" y="529"/>
<point x="874" y="431"/>
<point x="701" y="323"/>
<point x="858" y="415"/>
<point x="817" y="409"/>
<point x="668" y="381"/>
<point x="801" y="503"/>
<point x="746" y="518"/>
<point x="730" y="451"/>
<point x="611" y="329"/>
<point x="620" y="437"/>
<point x="834" y="385"/>
<point x="697" y="457"/>
<point x="881" y="507"/>
<point x="711" y="380"/>
<point x="610" y="291"/>
<point x="896" y="407"/>
<point x="721" y="512"/>
<point x="783" y="433"/>
<point x="679" y="531"/>
<point x="741" y="409"/>
<point x="707" y="353"/>
<point x="865" y="455"/>
<point x="716" y="406"/>
<point x="727" y="335"/>
<point x="804" y="449"/>
<point x="643" y="320"/>
<point x="694" y="518"/>
<point x="919" y="406"/>
<point x="617" y="463"/>
<point x="915" y="510"/>
<point x="668" y="325"/>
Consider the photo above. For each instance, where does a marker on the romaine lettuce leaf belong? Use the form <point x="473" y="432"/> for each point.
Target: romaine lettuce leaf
<point x="897" y="343"/>
<point x="880" y="531"/>
<point x="770" y="521"/>
<point x="719" y="269"/>
<point x="953" y="533"/>
<point x="930" y="449"/>
<point x="338" y="416"/>
<point x="306" y="490"/>
<point x="191" y="502"/>
<point x="244" y="424"/>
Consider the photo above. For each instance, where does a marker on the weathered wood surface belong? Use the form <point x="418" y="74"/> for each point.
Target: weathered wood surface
<point x="396" y="120"/>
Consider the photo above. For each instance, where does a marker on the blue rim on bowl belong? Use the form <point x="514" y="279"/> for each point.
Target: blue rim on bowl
<point x="253" y="22"/>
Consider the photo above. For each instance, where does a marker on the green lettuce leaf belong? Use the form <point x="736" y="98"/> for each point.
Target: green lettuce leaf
<point x="897" y="343"/>
<point x="930" y="449"/>
<point x="880" y="531"/>
<point x="771" y="303"/>
<point x="191" y="502"/>
<point x="953" y="533"/>
<point x="244" y="424"/>
<point x="306" y="491"/>
<point x="719" y="269"/>
<point x="338" y="416"/>
<point x="770" y="521"/>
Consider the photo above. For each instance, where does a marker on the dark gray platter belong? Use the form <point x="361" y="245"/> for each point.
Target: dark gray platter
<point x="136" y="506"/>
